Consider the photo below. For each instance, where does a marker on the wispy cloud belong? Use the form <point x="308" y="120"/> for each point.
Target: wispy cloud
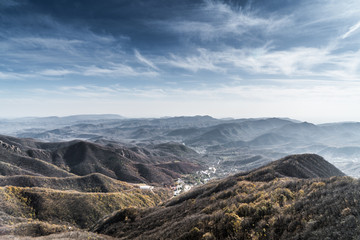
<point x="111" y="92"/>
<point x="8" y="3"/>
<point x="217" y="20"/>
<point x="352" y="29"/>
<point x="203" y="60"/>
<point x="305" y="87"/>
<point x="144" y="60"/>
<point x="56" y="72"/>
<point x="296" y="62"/>
<point x="45" y="42"/>
<point x="13" y="76"/>
<point x="86" y="54"/>
<point x="116" y="70"/>
<point x="83" y="91"/>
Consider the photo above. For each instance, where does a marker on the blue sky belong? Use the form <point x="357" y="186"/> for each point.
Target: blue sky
<point x="147" y="58"/>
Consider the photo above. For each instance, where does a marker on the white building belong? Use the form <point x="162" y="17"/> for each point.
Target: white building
<point x="146" y="187"/>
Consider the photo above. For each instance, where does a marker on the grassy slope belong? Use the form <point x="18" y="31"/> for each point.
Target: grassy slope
<point x="249" y="206"/>
<point x="95" y="182"/>
<point x="238" y="209"/>
<point x="42" y="211"/>
<point x="78" y="235"/>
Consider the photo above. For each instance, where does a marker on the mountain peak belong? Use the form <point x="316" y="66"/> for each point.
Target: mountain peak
<point x="298" y="166"/>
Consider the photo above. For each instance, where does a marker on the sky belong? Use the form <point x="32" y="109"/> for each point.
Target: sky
<point x="155" y="58"/>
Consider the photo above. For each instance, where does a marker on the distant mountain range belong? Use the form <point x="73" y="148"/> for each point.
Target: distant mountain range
<point x="219" y="141"/>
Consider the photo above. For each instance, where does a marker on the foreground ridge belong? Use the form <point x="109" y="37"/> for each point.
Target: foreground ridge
<point x="250" y="206"/>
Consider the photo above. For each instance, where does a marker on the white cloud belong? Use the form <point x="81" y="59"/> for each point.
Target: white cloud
<point x="74" y="88"/>
<point x="204" y="60"/>
<point x="56" y="72"/>
<point x="13" y="76"/>
<point x="295" y="62"/>
<point x="82" y="91"/>
<point x="142" y="59"/>
<point x="218" y="20"/>
<point x="116" y="70"/>
<point x="47" y="43"/>
<point x="351" y="30"/>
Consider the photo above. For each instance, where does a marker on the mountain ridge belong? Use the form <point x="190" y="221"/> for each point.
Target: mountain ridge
<point x="240" y="208"/>
<point x="295" y="166"/>
<point x="65" y="159"/>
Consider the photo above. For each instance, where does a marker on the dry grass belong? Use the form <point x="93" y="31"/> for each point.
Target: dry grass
<point x="41" y="211"/>
<point x="236" y="209"/>
<point x="78" y="235"/>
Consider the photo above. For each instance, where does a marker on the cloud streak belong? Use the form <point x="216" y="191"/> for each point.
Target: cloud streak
<point x="295" y="62"/>
<point x="217" y="20"/>
<point x="142" y="59"/>
<point x="352" y="29"/>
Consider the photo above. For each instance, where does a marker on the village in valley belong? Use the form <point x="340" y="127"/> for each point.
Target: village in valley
<point x="184" y="184"/>
<point x="189" y="181"/>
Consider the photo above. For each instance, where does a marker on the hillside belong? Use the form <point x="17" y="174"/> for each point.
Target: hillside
<point x="42" y="211"/>
<point x="79" y="158"/>
<point x="297" y="166"/>
<point x="94" y="182"/>
<point x="236" y="208"/>
<point x="54" y="188"/>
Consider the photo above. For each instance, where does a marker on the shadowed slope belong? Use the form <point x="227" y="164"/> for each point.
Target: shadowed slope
<point x="94" y="182"/>
<point x="14" y="163"/>
<point x="138" y="165"/>
<point x="83" y="158"/>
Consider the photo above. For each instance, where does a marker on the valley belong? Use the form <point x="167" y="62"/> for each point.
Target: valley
<point x="102" y="178"/>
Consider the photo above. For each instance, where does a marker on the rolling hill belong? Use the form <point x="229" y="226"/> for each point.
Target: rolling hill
<point x="294" y="206"/>
<point x="52" y="188"/>
<point x="80" y="158"/>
